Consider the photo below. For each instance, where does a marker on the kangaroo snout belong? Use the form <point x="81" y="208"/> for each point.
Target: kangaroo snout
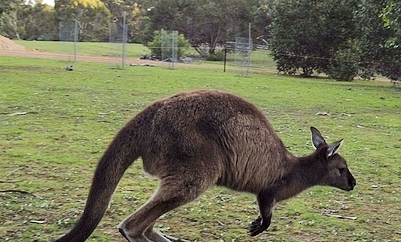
<point x="351" y="184"/>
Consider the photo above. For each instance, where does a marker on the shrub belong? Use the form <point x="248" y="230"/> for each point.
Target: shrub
<point x="216" y="56"/>
<point x="345" y="62"/>
<point x="156" y="45"/>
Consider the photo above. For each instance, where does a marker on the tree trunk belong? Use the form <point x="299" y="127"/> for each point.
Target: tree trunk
<point x="14" y="25"/>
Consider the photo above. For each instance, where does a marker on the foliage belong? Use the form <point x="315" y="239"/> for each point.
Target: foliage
<point x="261" y="21"/>
<point x="203" y="22"/>
<point x="391" y="63"/>
<point x="217" y="56"/>
<point x="380" y="28"/>
<point x="391" y="19"/>
<point x="131" y="11"/>
<point x="156" y="45"/>
<point x="295" y="37"/>
<point x="38" y="22"/>
<point x="344" y="64"/>
<point x="307" y="34"/>
<point x="92" y="15"/>
<point x="8" y="25"/>
<point x="7" y="6"/>
<point x="8" y="18"/>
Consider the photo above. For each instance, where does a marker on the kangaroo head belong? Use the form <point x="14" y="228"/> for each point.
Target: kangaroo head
<point x="336" y="173"/>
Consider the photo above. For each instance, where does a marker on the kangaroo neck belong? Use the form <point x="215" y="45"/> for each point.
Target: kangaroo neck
<point x="305" y="173"/>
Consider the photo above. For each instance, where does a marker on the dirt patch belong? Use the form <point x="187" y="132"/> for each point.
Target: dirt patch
<point x="7" y="44"/>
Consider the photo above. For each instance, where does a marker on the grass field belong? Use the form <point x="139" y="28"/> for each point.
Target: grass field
<point x="54" y="125"/>
<point x="262" y="61"/>
<point x="89" y="48"/>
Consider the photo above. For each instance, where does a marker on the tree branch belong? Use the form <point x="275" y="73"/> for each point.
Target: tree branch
<point x="22" y="192"/>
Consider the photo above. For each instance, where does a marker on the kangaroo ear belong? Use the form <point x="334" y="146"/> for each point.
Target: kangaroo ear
<point x="317" y="138"/>
<point x="333" y="148"/>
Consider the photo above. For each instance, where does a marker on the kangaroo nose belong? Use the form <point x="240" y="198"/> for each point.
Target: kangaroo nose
<point x="353" y="183"/>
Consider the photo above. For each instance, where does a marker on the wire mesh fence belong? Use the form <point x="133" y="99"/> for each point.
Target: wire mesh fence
<point x="69" y="36"/>
<point x="169" y="47"/>
<point x="118" y="38"/>
<point x="242" y="58"/>
<point x="243" y="55"/>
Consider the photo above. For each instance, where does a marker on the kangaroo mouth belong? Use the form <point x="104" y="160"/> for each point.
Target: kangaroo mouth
<point x="349" y="188"/>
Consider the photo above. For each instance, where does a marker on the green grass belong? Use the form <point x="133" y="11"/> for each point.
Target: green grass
<point x="54" y="125"/>
<point x="86" y="48"/>
<point x="261" y="59"/>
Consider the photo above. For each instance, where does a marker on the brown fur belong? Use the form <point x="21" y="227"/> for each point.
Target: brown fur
<point x="195" y="140"/>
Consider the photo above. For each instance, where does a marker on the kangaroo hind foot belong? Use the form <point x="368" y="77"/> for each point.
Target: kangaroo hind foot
<point x="172" y="193"/>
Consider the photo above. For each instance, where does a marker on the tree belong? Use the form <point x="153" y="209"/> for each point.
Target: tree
<point x="345" y="62"/>
<point x="390" y="66"/>
<point x="7" y="6"/>
<point x="203" y="22"/>
<point x="295" y="40"/>
<point x="379" y="28"/>
<point x="8" y="17"/>
<point x="341" y="39"/>
<point x="307" y="34"/>
<point x="37" y="22"/>
<point x="92" y="15"/>
<point x="130" y="10"/>
<point x="392" y="20"/>
<point x="261" y="21"/>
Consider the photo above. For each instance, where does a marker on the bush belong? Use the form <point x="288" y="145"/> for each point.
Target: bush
<point x="156" y="46"/>
<point x="217" y="56"/>
<point x="307" y="34"/>
<point x="345" y="62"/>
<point x="390" y="64"/>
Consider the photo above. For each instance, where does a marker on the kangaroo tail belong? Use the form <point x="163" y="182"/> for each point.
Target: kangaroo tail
<point x="120" y="154"/>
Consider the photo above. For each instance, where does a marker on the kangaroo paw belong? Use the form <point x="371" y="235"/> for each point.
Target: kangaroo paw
<point x="257" y="227"/>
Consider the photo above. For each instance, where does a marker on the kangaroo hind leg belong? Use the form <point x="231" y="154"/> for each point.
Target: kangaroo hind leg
<point x="172" y="192"/>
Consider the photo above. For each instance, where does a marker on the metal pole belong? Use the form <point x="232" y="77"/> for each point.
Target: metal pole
<point x="173" y="49"/>
<point x="225" y="58"/>
<point x="75" y="39"/>
<point x="249" y="49"/>
<point x="124" y="41"/>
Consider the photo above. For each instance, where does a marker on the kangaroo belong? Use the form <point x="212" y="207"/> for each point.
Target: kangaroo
<point x="194" y="140"/>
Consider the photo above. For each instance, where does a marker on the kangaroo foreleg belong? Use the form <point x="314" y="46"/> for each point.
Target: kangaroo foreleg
<point x="266" y="203"/>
